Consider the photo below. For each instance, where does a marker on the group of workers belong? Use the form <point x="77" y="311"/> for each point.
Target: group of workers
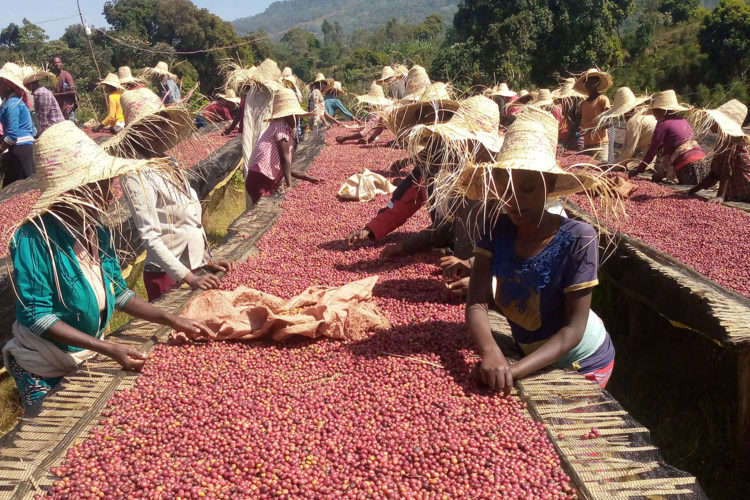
<point x="485" y="167"/>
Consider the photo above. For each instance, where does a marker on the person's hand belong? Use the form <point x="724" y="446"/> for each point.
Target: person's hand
<point x="357" y="235"/>
<point x="716" y="200"/>
<point x="392" y="251"/>
<point x="457" y="271"/>
<point x="226" y="131"/>
<point x="204" y="282"/>
<point x="190" y="327"/>
<point x="693" y="190"/>
<point x="495" y="371"/>
<point x="458" y="288"/>
<point x="632" y="173"/>
<point x="127" y="357"/>
<point x="448" y="261"/>
<point x="221" y="266"/>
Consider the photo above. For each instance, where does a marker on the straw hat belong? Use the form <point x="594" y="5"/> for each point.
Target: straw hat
<point x="624" y="102"/>
<point x="667" y="100"/>
<point x="161" y="69"/>
<point x="287" y="72"/>
<point x="149" y="123"/>
<point x="230" y="96"/>
<point x="338" y="87"/>
<point x="524" y="97"/>
<point x="416" y="81"/>
<point x="435" y="97"/>
<point x="13" y="74"/>
<point x="544" y="98"/>
<point x="33" y="74"/>
<point x="566" y="90"/>
<point x="318" y="78"/>
<point x="477" y="119"/>
<point x="125" y="75"/>
<point x="285" y="104"/>
<point x="729" y="117"/>
<point x="65" y="158"/>
<point x="605" y="80"/>
<point x="267" y="74"/>
<point x="375" y="96"/>
<point x="112" y="81"/>
<point x="290" y="82"/>
<point x="531" y="145"/>
<point x="238" y="76"/>
<point x="386" y="75"/>
<point x="502" y="90"/>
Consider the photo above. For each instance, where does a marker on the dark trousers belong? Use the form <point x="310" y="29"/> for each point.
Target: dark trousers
<point x="19" y="163"/>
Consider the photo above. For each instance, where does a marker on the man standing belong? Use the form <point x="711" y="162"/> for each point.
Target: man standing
<point x="66" y="92"/>
<point x="46" y="109"/>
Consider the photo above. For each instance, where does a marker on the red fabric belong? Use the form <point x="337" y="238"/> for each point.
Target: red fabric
<point x="157" y="284"/>
<point x="217" y="112"/>
<point x="688" y="158"/>
<point x="397" y="212"/>
<point x="601" y="376"/>
<point x="257" y="184"/>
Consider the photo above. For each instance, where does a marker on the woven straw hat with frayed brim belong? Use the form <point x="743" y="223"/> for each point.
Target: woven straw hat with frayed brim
<point x="33" y="74"/>
<point x="111" y="81"/>
<point x="729" y="117"/>
<point x="437" y="96"/>
<point x="66" y="159"/>
<point x="477" y="119"/>
<point x="125" y="75"/>
<point x="605" y="80"/>
<point x="566" y="90"/>
<point x="624" y="102"/>
<point x="375" y="96"/>
<point x="149" y="123"/>
<point x="417" y="80"/>
<point x="268" y="74"/>
<point x="161" y="69"/>
<point x="238" y="76"/>
<point x="544" y="98"/>
<point x="502" y="90"/>
<point x="285" y="104"/>
<point x="13" y="74"/>
<point x="230" y="96"/>
<point x="667" y="100"/>
<point x="386" y="75"/>
<point x="530" y="145"/>
<point x="319" y="78"/>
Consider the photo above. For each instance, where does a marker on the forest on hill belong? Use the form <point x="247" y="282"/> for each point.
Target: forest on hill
<point x="649" y="45"/>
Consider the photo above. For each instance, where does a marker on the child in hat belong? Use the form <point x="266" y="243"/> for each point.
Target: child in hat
<point x="374" y="125"/>
<point x="17" y="126"/>
<point x="66" y="274"/>
<point x="316" y="103"/>
<point x="730" y="166"/>
<point x="592" y="83"/>
<point x="170" y="91"/>
<point x="332" y="102"/>
<point x="272" y="157"/>
<point x="115" y="120"/>
<point x="539" y="268"/>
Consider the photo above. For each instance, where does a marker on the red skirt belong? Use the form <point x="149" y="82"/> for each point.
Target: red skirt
<point x="601" y="376"/>
<point x="257" y="185"/>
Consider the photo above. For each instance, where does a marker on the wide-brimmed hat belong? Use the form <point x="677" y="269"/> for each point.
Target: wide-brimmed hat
<point x="230" y="96"/>
<point x="13" y="74"/>
<point x="34" y="74"/>
<point x="477" y="119"/>
<point x="337" y="86"/>
<point x="421" y="110"/>
<point x="605" y="80"/>
<point x="524" y="97"/>
<point x="285" y="104"/>
<point x="531" y="145"/>
<point x="66" y="159"/>
<point x="291" y="83"/>
<point x="624" y="102"/>
<point x="161" y="69"/>
<point x="502" y="90"/>
<point x="237" y="76"/>
<point x="149" y="123"/>
<point x="319" y="77"/>
<point x="566" y="90"/>
<point x="543" y="98"/>
<point x="287" y="72"/>
<point x="417" y="80"/>
<point x="375" y="96"/>
<point x="386" y="75"/>
<point x="667" y="100"/>
<point x="125" y="75"/>
<point x="729" y="117"/>
<point x="111" y="81"/>
<point x="267" y="74"/>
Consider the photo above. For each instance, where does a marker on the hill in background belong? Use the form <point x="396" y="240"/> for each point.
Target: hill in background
<point x="353" y="16"/>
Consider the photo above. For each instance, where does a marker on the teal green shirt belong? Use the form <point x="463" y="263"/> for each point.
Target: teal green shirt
<point x="50" y="285"/>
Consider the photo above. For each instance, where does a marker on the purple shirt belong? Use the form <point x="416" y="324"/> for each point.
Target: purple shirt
<point x="47" y="110"/>
<point x="670" y="133"/>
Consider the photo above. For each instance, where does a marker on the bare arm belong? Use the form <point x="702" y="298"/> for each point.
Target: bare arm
<point x="577" y="307"/>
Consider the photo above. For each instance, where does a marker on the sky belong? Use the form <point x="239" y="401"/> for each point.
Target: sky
<point x="56" y="15"/>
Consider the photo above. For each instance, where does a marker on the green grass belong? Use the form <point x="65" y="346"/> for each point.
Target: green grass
<point x="223" y="208"/>
<point x="11" y="407"/>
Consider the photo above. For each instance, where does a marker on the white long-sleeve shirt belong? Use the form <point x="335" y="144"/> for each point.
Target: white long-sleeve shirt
<point x="169" y="223"/>
<point x="638" y="134"/>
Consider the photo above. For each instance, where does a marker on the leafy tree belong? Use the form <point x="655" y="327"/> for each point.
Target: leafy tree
<point x="725" y="36"/>
<point x="10" y="37"/>
<point x="458" y="63"/>
<point x="679" y="10"/>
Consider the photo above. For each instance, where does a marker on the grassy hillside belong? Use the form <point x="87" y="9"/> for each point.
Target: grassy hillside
<point x="353" y="14"/>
